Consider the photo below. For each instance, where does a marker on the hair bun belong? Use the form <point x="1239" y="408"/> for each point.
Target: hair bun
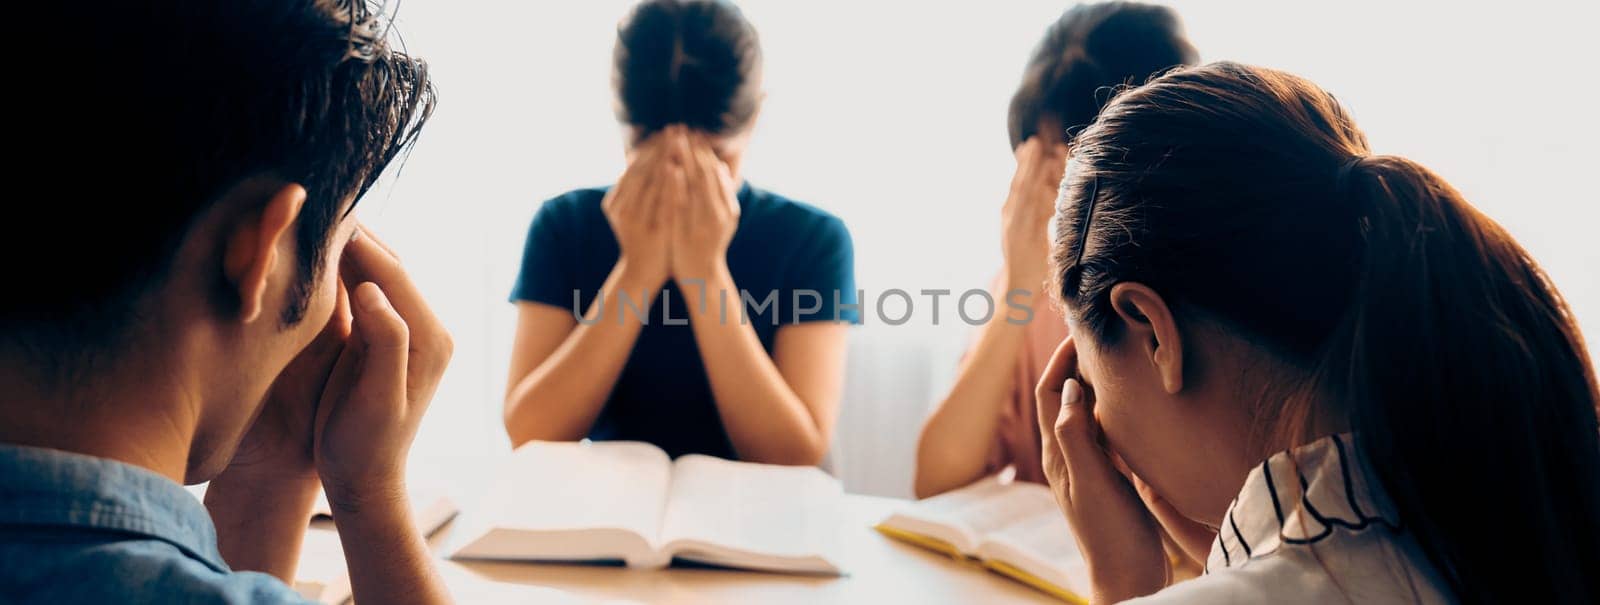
<point x="692" y="62"/>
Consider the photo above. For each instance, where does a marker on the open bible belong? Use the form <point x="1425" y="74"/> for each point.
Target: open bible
<point x="1014" y="529"/>
<point x="630" y="502"/>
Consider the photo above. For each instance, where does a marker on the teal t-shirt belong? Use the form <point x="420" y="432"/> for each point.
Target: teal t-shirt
<point x="793" y="262"/>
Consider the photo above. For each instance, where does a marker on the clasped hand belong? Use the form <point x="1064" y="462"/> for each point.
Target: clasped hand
<point x="674" y="210"/>
<point x="1025" y="218"/>
<point x="1116" y="525"/>
<point x="346" y="408"/>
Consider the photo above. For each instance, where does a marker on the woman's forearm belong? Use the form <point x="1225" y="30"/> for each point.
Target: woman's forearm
<point x="561" y="397"/>
<point x="957" y="438"/>
<point x="764" y="417"/>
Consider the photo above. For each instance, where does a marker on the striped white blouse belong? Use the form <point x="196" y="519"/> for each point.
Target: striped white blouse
<point x="1308" y="527"/>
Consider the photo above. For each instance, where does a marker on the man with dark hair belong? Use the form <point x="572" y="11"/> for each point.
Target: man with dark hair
<point x="220" y="317"/>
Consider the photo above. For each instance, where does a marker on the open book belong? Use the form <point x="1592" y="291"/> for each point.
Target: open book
<point x="1014" y="529"/>
<point x="628" y="501"/>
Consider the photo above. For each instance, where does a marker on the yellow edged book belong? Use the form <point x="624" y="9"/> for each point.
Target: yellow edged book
<point x="1013" y="529"/>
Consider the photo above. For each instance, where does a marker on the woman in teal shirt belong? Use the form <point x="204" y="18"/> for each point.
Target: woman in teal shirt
<point x="683" y="307"/>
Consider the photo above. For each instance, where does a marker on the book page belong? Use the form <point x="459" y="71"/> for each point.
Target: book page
<point x="990" y="506"/>
<point x="562" y="486"/>
<point x="960" y="517"/>
<point x="1044" y="548"/>
<point x="781" y="511"/>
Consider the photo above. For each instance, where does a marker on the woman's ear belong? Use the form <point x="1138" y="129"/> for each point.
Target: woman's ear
<point x="251" y="250"/>
<point x="1151" y="330"/>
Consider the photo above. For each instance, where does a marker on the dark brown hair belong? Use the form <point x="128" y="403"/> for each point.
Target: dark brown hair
<point x="1248" y="197"/>
<point x="140" y="120"/>
<point x="1089" y="52"/>
<point x="691" y="62"/>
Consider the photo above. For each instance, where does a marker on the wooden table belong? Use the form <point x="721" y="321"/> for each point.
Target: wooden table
<point x="880" y="571"/>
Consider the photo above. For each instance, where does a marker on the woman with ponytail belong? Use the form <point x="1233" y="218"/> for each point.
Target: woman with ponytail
<point x="1364" y="386"/>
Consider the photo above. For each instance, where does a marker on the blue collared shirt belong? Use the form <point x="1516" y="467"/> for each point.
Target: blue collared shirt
<point x="80" y="529"/>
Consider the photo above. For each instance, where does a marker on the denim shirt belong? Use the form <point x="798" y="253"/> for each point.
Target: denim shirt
<point x="80" y="529"/>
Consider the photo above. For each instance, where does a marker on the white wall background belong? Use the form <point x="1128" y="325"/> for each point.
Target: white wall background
<point x="891" y="114"/>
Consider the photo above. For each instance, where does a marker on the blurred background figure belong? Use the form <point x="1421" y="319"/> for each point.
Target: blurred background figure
<point x="986" y="421"/>
<point x="632" y="299"/>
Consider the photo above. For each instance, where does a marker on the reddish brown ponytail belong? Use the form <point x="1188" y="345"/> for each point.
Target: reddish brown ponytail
<point x="1247" y="194"/>
<point x="1469" y="386"/>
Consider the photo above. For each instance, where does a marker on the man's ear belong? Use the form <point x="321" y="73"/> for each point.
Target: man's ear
<point x="251" y="252"/>
<point x="1151" y="330"/>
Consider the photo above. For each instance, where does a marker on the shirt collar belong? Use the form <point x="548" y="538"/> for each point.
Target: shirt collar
<point x="45" y="487"/>
<point x="1299" y="497"/>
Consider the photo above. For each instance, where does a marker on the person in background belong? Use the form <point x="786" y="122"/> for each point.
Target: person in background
<point x="683" y="307"/>
<point x="192" y="301"/>
<point x="1366" y="385"/>
<point x="986" y="422"/>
